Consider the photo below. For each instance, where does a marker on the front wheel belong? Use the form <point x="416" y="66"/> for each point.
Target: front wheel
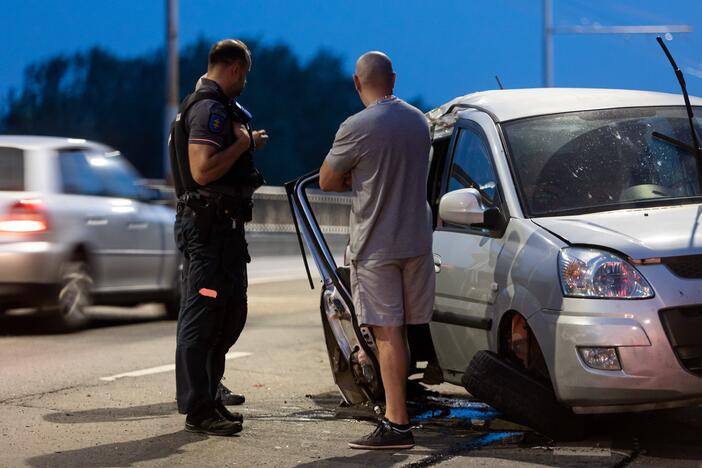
<point x="522" y="397"/>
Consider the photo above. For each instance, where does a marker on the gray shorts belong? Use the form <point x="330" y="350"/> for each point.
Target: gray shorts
<point x="393" y="292"/>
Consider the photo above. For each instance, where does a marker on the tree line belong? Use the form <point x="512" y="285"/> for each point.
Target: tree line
<point x="119" y="101"/>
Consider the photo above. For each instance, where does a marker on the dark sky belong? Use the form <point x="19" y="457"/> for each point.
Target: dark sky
<point x="440" y="48"/>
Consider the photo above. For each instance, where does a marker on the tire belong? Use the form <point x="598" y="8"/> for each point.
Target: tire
<point x="74" y="295"/>
<point x="520" y="397"/>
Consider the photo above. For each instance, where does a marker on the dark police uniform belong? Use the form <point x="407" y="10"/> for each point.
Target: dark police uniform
<point x="209" y="231"/>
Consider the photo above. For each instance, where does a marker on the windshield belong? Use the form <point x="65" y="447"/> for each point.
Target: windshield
<point x="602" y="160"/>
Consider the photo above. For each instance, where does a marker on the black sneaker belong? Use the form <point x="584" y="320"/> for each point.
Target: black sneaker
<point x="228" y="415"/>
<point x="229" y="398"/>
<point x="385" y="437"/>
<point x="212" y="424"/>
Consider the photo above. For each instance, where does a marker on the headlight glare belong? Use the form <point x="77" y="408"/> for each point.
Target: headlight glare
<point x="596" y="273"/>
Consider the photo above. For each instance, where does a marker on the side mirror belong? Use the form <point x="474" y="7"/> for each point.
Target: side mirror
<point x="156" y="194"/>
<point x="151" y="194"/>
<point x="462" y="207"/>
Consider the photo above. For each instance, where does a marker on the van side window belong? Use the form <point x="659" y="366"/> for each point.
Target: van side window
<point x="471" y="166"/>
<point x="77" y="175"/>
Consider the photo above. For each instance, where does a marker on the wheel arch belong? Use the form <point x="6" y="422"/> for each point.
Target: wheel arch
<point x="83" y="251"/>
<point x="517" y="341"/>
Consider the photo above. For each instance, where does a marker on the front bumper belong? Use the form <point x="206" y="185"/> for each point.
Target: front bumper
<point x="29" y="273"/>
<point x="652" y="376"/>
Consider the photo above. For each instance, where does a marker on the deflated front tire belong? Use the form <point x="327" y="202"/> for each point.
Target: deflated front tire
<point x="520" y="397"/>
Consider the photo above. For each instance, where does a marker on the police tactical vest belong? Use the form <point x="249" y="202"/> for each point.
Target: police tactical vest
<point x="243" y="174"/>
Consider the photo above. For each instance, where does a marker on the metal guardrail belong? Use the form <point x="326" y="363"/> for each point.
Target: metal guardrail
<point x="271" y="211"/>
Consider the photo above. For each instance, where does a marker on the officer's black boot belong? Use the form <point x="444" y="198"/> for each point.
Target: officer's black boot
<point x="227" y="397"/>
<point x="212" y="423"/>
<point x="226" y="414"/>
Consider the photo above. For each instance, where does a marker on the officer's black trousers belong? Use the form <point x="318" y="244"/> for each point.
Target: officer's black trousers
<point x="213" y="306"/>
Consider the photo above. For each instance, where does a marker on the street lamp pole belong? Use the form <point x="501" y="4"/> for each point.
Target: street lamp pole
<point x="171" y="107"/>
<point x="548" y="43"/>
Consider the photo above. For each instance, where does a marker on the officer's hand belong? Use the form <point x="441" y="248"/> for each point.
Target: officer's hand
<point x="241" y="134"/>
<point x="348" y="180"/>
<point x="260" y="138"/>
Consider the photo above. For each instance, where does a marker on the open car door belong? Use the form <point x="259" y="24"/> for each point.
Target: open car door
<point x="351" y="349"/>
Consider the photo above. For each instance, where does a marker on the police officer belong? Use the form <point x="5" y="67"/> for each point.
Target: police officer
<point x="211" y="149"/>
<point x="228" y="397"/>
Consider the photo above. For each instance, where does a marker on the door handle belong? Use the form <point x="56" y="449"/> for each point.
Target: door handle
<point x="437" y="263"/>
<point x="135" y="226"/>
<point x="96" y="221"/>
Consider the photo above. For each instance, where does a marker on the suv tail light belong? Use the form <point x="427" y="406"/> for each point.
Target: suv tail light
<point x="25" y="216"/>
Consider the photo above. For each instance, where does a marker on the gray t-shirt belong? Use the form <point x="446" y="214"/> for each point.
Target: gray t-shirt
<point x="386" y="149"/>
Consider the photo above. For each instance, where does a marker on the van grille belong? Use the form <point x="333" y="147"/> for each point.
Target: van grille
<point x="688" y="266"/>
<point x="684" y="329"/>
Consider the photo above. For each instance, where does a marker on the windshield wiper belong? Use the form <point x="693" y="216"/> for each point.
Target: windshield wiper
<point x="696" y="150"/>
<point x="675" y="142"/>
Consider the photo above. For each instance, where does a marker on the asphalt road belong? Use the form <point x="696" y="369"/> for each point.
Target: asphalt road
<point x="104" y="396"/>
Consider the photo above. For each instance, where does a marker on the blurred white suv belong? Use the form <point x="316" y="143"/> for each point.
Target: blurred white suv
<point x="77" y="227"/>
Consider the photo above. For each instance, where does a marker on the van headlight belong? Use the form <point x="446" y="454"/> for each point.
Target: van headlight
<point x="596" y="273"/>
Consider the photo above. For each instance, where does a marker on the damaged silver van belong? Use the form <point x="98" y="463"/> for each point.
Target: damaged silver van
<point x="568" y="253"/>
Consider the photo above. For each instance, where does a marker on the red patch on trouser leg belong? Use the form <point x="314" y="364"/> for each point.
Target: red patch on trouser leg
<point x="208" y="292"/>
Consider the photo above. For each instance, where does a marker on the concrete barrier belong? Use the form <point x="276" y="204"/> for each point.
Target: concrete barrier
<point x="272" y="211"/>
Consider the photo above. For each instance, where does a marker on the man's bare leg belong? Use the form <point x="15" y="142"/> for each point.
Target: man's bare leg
<point x="394" y="367"/>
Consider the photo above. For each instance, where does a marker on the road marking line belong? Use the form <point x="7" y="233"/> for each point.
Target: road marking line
<point x="582" y="452"/>
<point x="166" y="368"/>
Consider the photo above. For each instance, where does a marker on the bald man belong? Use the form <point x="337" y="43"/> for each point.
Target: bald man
<point x="381" y="154"/>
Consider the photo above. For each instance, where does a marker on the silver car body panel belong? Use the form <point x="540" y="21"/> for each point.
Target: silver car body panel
<point x="130" y="243"/>
<point x="666" y="231"/>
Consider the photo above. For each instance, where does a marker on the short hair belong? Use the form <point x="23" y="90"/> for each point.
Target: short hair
<point x="228" y="51"/>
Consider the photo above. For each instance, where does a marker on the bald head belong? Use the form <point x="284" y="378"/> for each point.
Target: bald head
<point x="374" y="70"/>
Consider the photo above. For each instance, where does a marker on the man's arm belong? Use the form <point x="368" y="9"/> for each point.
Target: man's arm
<point x="207" y="164"/>
<point x="332" y="181"/>
<point x="335" y="173"/>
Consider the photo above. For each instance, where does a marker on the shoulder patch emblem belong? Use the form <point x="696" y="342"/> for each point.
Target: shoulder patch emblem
<point x="216" y="123"/>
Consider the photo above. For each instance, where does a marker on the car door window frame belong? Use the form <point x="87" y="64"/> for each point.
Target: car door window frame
<point x="496" y="232"/>
<point x="436" y="171"/>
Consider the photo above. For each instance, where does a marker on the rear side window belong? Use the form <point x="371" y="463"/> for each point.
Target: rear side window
<point x="11" y="169"/>
<point x="78" y="176"/>
<point x="105" y="175"/>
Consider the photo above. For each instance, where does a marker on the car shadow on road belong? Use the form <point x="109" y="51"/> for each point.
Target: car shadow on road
<point x="119" y="454"/>
<point x="674" y="434"/>
<point x="41" y="323"/>
<point x="98" y="415"/>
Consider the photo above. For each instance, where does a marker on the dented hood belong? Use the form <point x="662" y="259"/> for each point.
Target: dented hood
<point x="639" y="234"/>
